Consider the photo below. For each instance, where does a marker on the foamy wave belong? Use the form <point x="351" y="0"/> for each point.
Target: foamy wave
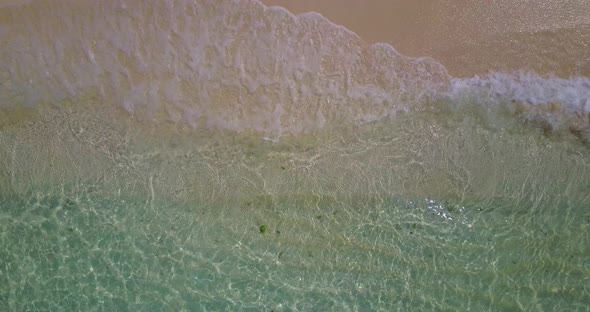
<point x="225" y="64"/>
<point x="238" y="65"/>
<point x="555" y="103"/>
<point x="573" y="94"/>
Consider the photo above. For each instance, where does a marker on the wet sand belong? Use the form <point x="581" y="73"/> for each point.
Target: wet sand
<point x="468" y="37"/>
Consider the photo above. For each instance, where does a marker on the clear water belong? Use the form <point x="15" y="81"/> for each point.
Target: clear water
<point x="399" y="199"/>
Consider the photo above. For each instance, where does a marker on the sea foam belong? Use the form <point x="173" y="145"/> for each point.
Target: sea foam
<point x="237" y="65"/>
<point x="554" y="103"/>
<point x="233" y="65"/>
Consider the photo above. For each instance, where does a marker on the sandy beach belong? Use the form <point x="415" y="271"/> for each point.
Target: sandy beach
<point x="470" y="37"/>
<point x="215" y="155"/>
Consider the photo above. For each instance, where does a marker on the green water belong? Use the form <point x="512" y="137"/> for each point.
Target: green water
<point x="420" y="212"/>
<point x="144" y="144"/>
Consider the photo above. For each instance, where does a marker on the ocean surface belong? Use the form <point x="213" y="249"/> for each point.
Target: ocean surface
<point x="221" y="155"/>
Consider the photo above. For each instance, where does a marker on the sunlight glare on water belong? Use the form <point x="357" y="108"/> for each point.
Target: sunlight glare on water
<point x="223" y="155"/>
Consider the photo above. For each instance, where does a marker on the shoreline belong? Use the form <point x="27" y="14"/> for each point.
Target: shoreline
<point x="466" y="38"/>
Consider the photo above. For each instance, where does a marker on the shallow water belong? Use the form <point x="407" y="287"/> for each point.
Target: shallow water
<point x="427" y="212"/>
<point x="402" y="190"/>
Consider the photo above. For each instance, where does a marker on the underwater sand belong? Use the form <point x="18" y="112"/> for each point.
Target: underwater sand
<point x="143" y="145"/>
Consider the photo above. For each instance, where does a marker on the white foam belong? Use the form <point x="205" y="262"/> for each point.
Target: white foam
<point x="554" y="103"/>
<point x="526" y="87"/>
<point x="209" y="62"/>
<point x="236" y="65"/>
<point x="13" y="3"/>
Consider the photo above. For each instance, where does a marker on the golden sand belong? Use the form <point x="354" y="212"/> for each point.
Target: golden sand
<point x="470" y="37"/>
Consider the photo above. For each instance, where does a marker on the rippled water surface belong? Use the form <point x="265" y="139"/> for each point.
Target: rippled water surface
<point x="220" y="155"/>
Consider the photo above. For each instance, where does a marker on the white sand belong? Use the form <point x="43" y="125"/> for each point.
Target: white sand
<point x="470" y="37"/>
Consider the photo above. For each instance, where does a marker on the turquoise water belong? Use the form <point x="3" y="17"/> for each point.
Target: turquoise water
<point x="145" y="145"/>
<point x="385" y="217"/>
